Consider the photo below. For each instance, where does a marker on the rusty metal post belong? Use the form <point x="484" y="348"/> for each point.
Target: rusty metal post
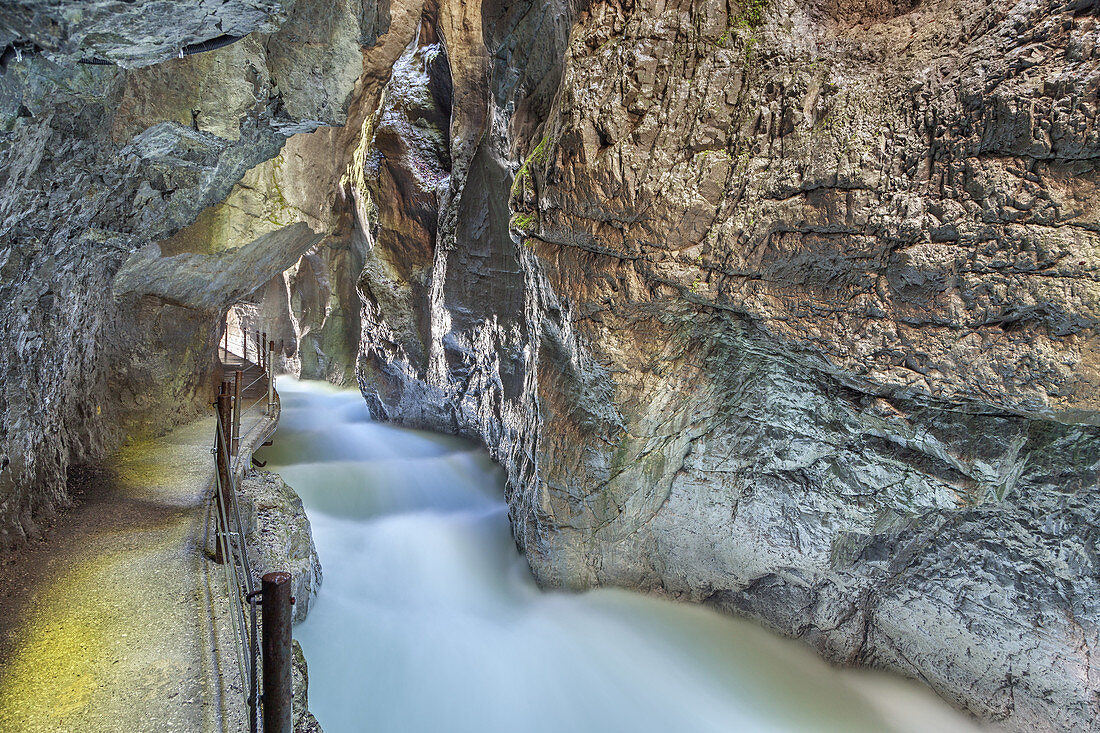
<point x="238" y="377"/>
<point x="218" y="528"/>
<point x="226" y="411"/>
<point x="278" y="697"/>
<point x="227" y="333"/>
<point x="267" y="357"/>
<point x="270" y="381"/>
<point x="222" y="465"/>
<point x="259" y="351"/>
<point x="254" y="662"/>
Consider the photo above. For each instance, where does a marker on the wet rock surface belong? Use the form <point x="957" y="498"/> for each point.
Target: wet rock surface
<point x="796" y="316"/>
<point x="302" y="720"/>
<point x="279" y="536"/>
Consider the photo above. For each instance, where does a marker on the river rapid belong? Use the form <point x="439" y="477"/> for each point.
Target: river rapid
<point x="429" y="620"/>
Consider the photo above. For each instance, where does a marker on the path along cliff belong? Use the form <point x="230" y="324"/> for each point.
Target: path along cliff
<point x="119" y="620"/>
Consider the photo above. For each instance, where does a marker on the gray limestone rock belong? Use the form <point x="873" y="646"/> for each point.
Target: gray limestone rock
<point x="279" y="536"/>
<point x="97" y="163"/>
<point x="133" y="33"/>
<point x="213" y="282"/>
<point x="302" y="719"/>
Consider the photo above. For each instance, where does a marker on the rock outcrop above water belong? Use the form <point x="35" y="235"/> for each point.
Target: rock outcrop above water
<point x="303" y="720"/>
<point x="279" y="536"/>
<point x="797" y="318"/>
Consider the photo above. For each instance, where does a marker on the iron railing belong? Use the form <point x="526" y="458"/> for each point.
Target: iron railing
<point x="231" y="551"/>
<point x="238" y="575"/>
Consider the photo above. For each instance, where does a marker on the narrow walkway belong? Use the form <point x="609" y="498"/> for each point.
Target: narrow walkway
<point x="251" y="374"/>
<point x="107" y="625"/>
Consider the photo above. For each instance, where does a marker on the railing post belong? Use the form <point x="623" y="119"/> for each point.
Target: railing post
<point x="270" y="381"/>
<point x="278" y="696"/>
<point x="226" y="411"/>
<point x="259" y="351"/>
<point x="238" y="376"/>
<point x="266" y="357"/>
<point x="227" y="333"/>
<point x="222" y="463"/>
<point x="254" y="660"/>
<point x="219" y="529"/>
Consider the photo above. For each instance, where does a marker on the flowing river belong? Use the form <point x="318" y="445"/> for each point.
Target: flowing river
<point x="429" y="621"/>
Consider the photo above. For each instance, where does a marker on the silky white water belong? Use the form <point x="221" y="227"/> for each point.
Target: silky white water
<point x="428" y="620"/>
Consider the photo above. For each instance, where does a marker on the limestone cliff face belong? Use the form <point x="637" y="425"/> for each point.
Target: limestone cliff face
<point x="836" y="273"/>
<point x="797" y="317"/>
<point x="99" y="164"/>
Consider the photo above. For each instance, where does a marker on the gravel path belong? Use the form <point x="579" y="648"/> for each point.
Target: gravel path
<point x="107" y="626"/>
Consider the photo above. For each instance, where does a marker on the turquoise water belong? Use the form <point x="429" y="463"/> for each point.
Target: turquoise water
<point x="429" y="620"/>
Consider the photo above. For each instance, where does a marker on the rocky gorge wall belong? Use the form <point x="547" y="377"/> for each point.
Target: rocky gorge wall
<point x="785" y="307"/>
<point x="103" y="163"/>
<point x="795" y="316"/>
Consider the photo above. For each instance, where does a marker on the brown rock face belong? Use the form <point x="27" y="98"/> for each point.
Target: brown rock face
<point x="903" y="201"/>
<point x="797" y="316"/>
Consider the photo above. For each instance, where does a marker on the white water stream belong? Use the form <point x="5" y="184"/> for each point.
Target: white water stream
<point x="429" y="621"/>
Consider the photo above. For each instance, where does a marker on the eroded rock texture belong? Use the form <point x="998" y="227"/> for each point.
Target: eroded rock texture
<point x="797" y="317"/>
<point x="134" y="33"/>
<point x="279" y="537"/>
<point x="786" y="307"/>
<point x="97" y="163"/>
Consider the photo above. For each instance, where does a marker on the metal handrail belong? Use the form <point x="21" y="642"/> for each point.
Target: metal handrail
<point x="241" y="586"/>
<point x="240" y="583"/>
<point x="230" y="540"/>
<point x="233" y="586"/>
<point x="254" y="381"/>
<point x="236" y="508"/>
<point x="259" y="400"/>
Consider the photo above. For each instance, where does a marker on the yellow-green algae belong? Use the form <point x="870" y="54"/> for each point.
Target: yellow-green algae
<point x="111" y="637"/>
<point x="67" y="640"/>
<point x="140" y="463"/>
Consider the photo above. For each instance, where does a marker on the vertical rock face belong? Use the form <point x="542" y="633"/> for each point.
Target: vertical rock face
<point x="796" y="316"/>
<point x="279" y="537"/>
<point x="97" y="163"/>
<point x="314" y="307"/>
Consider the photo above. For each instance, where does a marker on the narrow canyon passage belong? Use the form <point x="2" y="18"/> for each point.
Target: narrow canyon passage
<point x="773" y="312"/>
<point x="429" y="620"/>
